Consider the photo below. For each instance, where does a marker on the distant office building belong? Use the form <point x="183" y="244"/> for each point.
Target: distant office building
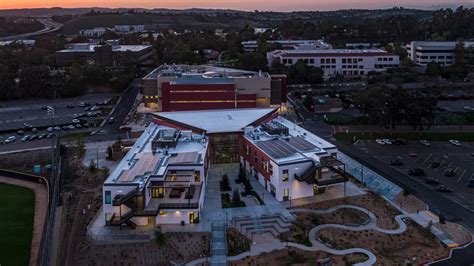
<point x="129" y="28"/>
<point x="185" y="87"/>
<point x="422" y="53"/>
<point x="105" y="54"/>
<point x="252" y="46"/>
<point x="338" y="61"/>
<point x="362" y="45"/>
<point x="92" y="33"/>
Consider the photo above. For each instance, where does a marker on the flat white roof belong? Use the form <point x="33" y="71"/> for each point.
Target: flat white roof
<point x="141" y="161"/>
<point x="218" y="121"/>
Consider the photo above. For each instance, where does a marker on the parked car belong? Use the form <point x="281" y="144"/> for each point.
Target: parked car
<point x="401" y="141"/>
<point x="86" y="125"/>
<point x="76" y="121"/>
<point x="434" y="164"/>
<point x="449" y="172"/>
<point x="50" y="135"/>
<point x="65" y="127"/>
<point x="425" y="142"/>
<point x="42" y="136"/>
<point x="82" y="104"/>
<point x="416" y="172"/>
<point x="10" y="139"/>
<point x="33" y="137"/>
<point x="27" y="126"/>
<point x="71" y="127"/>
<point x="20" y="132"/>
<point x="57" y="128"/>
<point x="396" y="163"/>
<point x="25" y="138"/>
<point x="77" y="126"/>
<point x="111" y="120"/>
<point x="455" y="142"/>
<point x="50" y="129"/>
<point x="431" y="181"/>
<point x="379" y="141"/>
<point x="470" y="182"/>
<point x="443" y="188"/>
<point x="387" y="141"/>
<point x="34" y="130"/>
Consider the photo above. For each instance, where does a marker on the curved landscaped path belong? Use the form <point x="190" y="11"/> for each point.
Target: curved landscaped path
<point x="318" y="246"/>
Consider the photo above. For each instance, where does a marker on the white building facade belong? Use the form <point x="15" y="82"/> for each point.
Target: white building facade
<point x="252" y="46"/>
<point x="338" y="61"/>
<point x="161" y="180"/>
<point x="424" y="52"/>
<point x="289" y="161"/>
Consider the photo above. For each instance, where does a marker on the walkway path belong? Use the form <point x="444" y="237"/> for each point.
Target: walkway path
<point x="258" y="249"/>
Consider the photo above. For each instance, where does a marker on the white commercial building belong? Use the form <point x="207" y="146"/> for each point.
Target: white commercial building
<point x="252" y="46"/>
<point x="129" y="28"/>
<point x="422" y="52"/>
<point x="161" y="180"/>
<point x="93" y="33"/>
<point x="338" y="61"/>
<point x="289" y="161"/>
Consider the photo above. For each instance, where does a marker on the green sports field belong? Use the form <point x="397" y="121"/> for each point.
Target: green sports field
<point x="16" y="224"/>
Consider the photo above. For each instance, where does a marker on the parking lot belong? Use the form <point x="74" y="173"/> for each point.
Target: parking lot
<point x="415" y="155"/>
<point x="32" y="116"/>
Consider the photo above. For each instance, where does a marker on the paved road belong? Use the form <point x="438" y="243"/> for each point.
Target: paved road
<point x="50" y="26"/>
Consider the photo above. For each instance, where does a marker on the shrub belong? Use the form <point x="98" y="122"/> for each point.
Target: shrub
<point x="225" y="183"/>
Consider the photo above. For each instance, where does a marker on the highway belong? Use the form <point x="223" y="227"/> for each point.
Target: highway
<point x="49" y="26"/>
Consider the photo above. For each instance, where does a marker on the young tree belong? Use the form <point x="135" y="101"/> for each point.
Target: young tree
<point x="235" y="197"/>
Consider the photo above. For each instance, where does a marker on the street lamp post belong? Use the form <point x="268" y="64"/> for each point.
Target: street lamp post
<point x="50" y="112"/>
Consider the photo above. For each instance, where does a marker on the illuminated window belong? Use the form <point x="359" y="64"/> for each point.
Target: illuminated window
<point x="197" y="176"/>
<point x="163" y="213"/>
<point x="285" y="176"/>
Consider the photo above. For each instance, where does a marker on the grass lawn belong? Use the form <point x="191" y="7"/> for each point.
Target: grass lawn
<point x="16" y="224"/>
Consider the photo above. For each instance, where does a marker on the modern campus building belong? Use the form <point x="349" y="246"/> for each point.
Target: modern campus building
<point x="163" y="178"/>
<point x="201" y="87"/>
<point x="252" y="46"/>
<point x="338" y="61"/>
<point x="424" y="52"/>
<point x="112" y="54"/>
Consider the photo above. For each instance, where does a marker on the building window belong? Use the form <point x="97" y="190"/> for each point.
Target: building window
<point x="285" y="176"/>
<point x="286" y="194"/>
<point x="311" y="61"/>
<point x="333" y="60"/>
<point x="108" y="197"/>
<point x="197" y="177"/>
<point x="344" y="60"/>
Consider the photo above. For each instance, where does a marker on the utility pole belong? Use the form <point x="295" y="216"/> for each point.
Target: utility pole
<point x="50" y="112"/>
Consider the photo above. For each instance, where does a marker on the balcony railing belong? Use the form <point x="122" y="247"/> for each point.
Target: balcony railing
<point x="167" y="206"/>
<point x="120" y="199"/>
<point x="330" y="181"/>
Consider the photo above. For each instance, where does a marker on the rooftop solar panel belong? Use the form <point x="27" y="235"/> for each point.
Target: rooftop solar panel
<point x="301" y="144"/>
<point x="277" y="148"/>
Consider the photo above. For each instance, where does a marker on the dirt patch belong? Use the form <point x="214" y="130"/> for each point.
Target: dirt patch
<point x="415" y="242"/>
<point x="410" y="203"/>
<point x="25" y="161"/>
<point x="383" y="210"/>
<point x="293" y="256"/>
<point x="306" y="221"/>
<point x="455" y="232"/>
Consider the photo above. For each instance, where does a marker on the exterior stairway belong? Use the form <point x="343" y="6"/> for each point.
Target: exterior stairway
<point x="274" y="224"/>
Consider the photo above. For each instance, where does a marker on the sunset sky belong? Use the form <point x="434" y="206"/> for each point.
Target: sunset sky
<point x="277" y="5"/>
